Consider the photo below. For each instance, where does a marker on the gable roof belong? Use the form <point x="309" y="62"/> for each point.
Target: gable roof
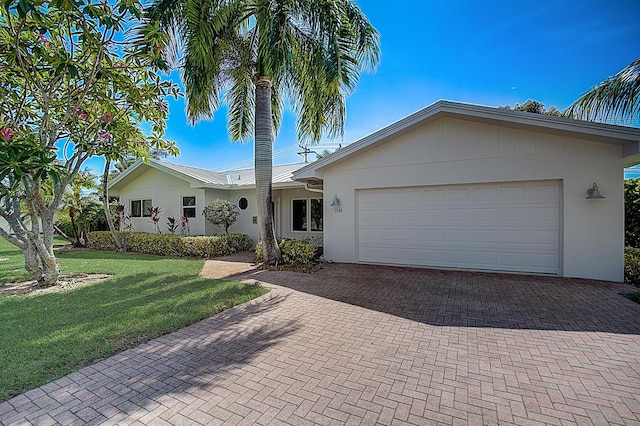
<point x="202" y="178"/>
<point x="627" y="137"/>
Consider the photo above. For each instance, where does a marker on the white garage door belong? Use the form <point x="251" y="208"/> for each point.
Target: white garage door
<point x="502" y="227"/>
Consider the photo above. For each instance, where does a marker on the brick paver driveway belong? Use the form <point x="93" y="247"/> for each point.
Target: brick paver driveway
<point x="354" y="344"/>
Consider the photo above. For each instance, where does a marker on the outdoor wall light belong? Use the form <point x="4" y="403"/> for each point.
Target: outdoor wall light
<point x="593" y="193"/>
<point x="336" y="201"/>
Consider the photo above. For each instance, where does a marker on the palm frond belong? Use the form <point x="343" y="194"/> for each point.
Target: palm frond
<point x="617" y="98"/>
<point x="240" y="99"/>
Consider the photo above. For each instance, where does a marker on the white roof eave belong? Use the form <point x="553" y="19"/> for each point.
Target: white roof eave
<point x="627" y="137"/>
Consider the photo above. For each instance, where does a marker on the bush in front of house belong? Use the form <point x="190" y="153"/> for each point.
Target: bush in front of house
<point x="294" y="252"/>
<point x="632" y="266"/>
<point x="173" y="245"/>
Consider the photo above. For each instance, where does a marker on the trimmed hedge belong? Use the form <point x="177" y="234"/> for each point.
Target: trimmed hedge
<point x="294" y="252"/>
<point x="632" y="266"/>
<point x="173" y="245"/>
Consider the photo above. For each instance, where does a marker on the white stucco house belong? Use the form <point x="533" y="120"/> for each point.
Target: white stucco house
<point x="450" y="186"/>
<point x="184" y="191"/>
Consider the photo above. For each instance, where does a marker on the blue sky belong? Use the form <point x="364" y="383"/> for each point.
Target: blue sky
<point x="489" y="53"/>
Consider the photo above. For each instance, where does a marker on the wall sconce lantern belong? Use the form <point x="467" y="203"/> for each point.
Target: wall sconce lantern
<point x="336" y="201"/>
<point x="593" y="193"/>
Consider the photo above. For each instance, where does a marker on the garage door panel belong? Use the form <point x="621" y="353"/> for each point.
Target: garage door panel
<point x="513" y="214"/>
<point x="388" y="218"/>
<point x="543" y="214"/>
<point x="388" y="235"/>
<point x="434" y="236"/>
<point x="410" y="217"/>
<point x="458" y="258"/>
<point x="458" y="215"/>
<point x="484" y="195"/>
<point x="484" y="236"/>
<point x="411" y="255"/>
<point x="484" y="258"/>
<point x="458" y="236"/>
<point x="483" y="214"/>
<point x="507" y="226"/>
<point x="390" y="253"/>
<point x="431" y="215"/>
<point x="433" y="196"/>
<point x="368" y="200"/>
<point x="434" y="256"/>
<point x="388" y="199"/>
<point x="411" y="198"/>
<point x="411" y="235"/>
<point x="457" y="195"/>
<point x="368" y="235"/>
<point x="368" y="217"/>
<point x="545" y="237"/>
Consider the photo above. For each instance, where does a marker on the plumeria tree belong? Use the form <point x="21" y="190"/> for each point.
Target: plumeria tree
<point x="71" y="88"/>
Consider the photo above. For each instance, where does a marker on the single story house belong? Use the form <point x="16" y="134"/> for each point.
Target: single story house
<point x="180" y="190"/>
<point x="451" y="186"/>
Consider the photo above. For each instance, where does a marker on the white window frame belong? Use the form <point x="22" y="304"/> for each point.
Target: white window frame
<point x="194" y="206"/>
<point x="308" y="215"/>
<point x="143" y="201"/>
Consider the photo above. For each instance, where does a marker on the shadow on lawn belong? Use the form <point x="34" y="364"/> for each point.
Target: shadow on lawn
<point x="189" y="362"/>
<point x="472" y="299"/>
<point x="72" y="328"/>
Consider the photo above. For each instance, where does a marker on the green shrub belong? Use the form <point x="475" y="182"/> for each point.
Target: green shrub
<point x="173" y="245"/>
<point x="632" y="266"/>
<point x="294" y="252"/>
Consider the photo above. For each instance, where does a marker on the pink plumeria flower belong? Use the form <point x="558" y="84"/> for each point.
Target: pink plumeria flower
<point x="157" y="48"/>
<point x="83" y="115"/>
<point x="107" y="117"/>
<point x="43" y="39"/>
<point x="7" y="134"/>
<point x="119" y="64"/>
<point x="105" y="137"/>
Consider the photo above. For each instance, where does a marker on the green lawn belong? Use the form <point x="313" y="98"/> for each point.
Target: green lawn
<point x="50" y="335"/>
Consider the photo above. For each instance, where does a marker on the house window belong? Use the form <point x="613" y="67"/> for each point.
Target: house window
<point x="140" y="208"/>
<point x="316" y="214"/>
<point x="243" y="203"/>
<point x="307" y="215"/>
<point x="189" y="206"/>
<point x="299" y="215"/>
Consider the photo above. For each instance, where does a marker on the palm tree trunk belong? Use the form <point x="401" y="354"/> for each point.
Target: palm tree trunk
<point x="120" y="247"/>
<point x="263" y="157"/>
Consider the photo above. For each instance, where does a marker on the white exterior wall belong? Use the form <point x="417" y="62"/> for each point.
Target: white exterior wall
<point x="165" y="191"/>
<point x="283" y="209"/>
<point x="454" y="151"/>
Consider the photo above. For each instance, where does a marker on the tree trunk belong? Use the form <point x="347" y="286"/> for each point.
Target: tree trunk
<point x="120" y="247"/>
<point x="50" y="270"/>
<point x="263" y="157"/>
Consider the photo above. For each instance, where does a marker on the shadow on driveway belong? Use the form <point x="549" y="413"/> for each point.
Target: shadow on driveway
<point x="472" y="299"/>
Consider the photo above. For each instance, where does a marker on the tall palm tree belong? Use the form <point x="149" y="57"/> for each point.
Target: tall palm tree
<point x="617" y="97"/>
<point x="257" y="54"/>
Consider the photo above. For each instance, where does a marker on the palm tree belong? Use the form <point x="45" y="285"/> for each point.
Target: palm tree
<point x="257" y="54"/>
<point x="617" y="97"/>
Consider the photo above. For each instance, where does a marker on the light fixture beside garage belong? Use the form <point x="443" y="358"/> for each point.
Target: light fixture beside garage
<point x="336" y="201"/>
<point x="593" y="193"/>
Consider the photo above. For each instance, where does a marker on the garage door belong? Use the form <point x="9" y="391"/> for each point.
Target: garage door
<point x="502" y="227"/>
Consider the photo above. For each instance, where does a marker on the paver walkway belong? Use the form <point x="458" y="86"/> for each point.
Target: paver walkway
<point x="353" y="344"/>
<point x="227" y="266"/>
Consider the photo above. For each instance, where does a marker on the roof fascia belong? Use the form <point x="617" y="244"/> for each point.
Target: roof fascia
<point x="125" y="173"/>
<point x="605" y="133"/>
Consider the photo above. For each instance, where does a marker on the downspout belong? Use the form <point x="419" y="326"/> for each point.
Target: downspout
<point x="308" y="188"/>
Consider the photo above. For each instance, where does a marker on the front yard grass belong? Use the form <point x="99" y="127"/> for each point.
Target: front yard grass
<point x="47" y="336"/>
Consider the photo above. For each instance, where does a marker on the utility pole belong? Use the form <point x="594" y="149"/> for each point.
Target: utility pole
<point x="305" y="152"/>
